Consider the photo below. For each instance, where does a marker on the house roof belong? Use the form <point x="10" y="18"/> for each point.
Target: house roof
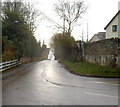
<point x="100" y="35"/>
<point x="112" y="19"/>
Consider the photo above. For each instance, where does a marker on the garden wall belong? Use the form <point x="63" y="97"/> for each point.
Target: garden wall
<point x="104" y="52"/>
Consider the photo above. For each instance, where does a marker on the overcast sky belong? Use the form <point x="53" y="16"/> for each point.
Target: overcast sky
<point x="98" y="15"/>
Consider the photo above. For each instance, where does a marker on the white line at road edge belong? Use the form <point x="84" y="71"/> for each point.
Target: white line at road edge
<point x="42" y="75"/>
<point x="102" y="95"/>
<point x="106" y="83"/>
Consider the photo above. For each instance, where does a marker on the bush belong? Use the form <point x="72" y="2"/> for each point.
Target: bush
<point x="64" y="46"/>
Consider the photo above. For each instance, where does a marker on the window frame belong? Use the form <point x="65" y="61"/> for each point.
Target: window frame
<point x="114" y="28"/>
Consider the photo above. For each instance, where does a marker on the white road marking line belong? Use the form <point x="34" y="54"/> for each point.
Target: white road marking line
<point x="51" y="83"/>
<point x="45" y="80"/>
<point x="106" y="83"/>
<point x="102" y="95"/>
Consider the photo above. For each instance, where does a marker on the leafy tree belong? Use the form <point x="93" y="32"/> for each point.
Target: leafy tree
<point x="9" y="50"/>
<point x="18" y="31"/>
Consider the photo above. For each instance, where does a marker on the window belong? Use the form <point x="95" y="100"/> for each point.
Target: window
<point x="114" y="28"/>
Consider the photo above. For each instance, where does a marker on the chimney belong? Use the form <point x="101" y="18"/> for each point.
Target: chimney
<point x="118" y="5"/>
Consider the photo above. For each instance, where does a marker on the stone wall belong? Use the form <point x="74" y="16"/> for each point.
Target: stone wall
<point x="105" y="52"/>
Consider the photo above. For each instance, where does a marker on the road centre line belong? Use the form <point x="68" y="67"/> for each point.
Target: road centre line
<point x="101" y="95"/>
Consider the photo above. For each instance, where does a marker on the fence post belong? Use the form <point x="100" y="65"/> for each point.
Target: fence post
<point x="9" y="64"/>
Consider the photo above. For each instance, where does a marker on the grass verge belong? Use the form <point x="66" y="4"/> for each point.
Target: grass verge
<point x="88" y="69"/>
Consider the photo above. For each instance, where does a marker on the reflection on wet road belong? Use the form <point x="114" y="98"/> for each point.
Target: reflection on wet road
<point x="47" y="82"/>
<point x="51" y="55"/>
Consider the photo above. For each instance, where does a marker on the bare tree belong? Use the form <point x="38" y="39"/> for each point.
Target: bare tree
<point x="31" y="16"/>
<point x="70" y="13"/>
<point x="27" y="10"/>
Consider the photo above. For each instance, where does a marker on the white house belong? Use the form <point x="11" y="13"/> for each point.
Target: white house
<point x="113" y="27"/>
<point x="97" y="37"/>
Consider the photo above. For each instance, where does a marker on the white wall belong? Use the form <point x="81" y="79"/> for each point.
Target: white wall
<point x="109" y="32"/>
<point x="119" y="25"/>
<point x="94" y="38"/>
<point x="118" y="5"/>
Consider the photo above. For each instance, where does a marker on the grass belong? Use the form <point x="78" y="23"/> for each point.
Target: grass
<point x="85" y="68"/>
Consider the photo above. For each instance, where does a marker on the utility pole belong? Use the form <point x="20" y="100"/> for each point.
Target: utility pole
<point x="87" y="32"/>
<point x="63" y="25"/>
<point x="82" y="34"/>
<point x="82" y="44"/>
<point x="63" y="19"/>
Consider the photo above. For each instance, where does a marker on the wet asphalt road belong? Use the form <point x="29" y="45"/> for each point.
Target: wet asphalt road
<point x="48" y="83"/>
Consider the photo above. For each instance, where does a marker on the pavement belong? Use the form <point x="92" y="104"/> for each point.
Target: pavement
<point x="49" y="83"/>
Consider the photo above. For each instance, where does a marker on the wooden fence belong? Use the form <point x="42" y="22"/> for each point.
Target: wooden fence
<point x="9" y="64"/>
